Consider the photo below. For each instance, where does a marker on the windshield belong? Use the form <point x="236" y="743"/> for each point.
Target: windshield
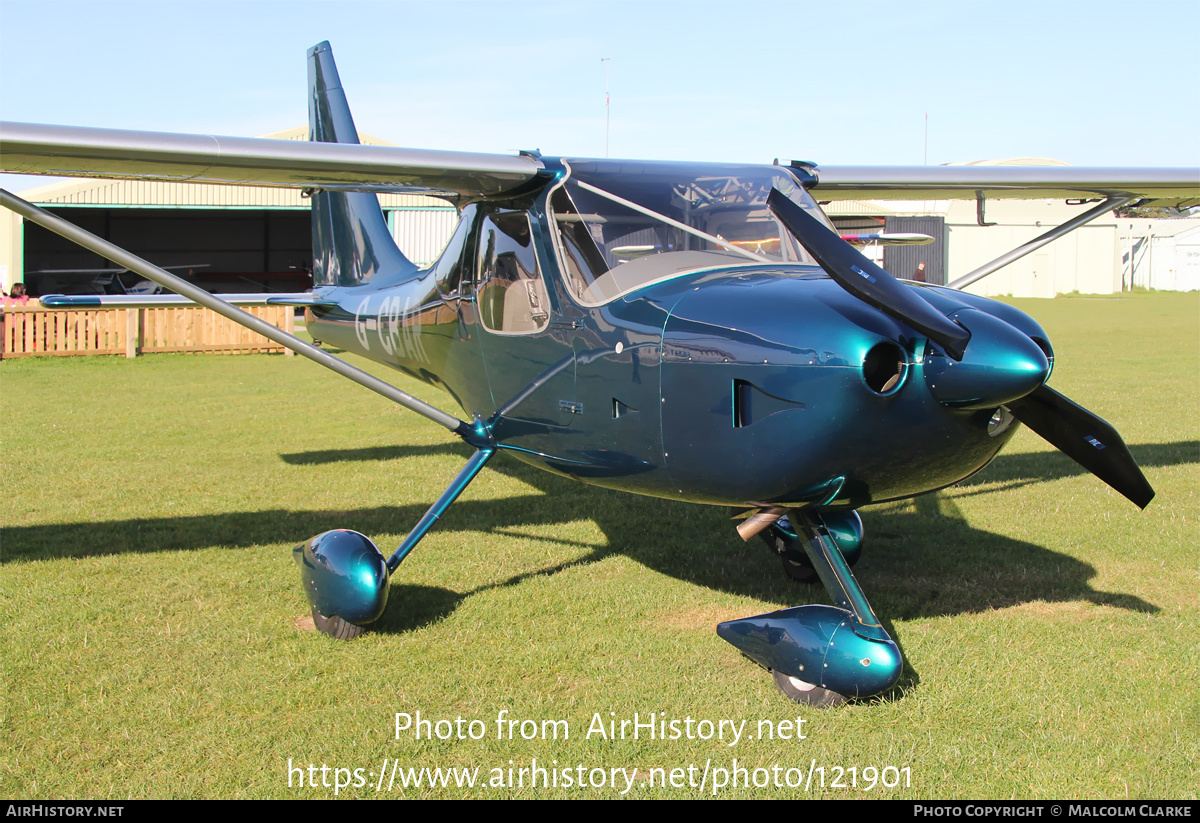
<point x="622" y="226"/>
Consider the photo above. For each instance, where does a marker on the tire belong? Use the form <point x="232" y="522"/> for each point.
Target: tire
<point x="806" y="693"/>
<point x="800" y="572"/>
<point x="336" y="627"/>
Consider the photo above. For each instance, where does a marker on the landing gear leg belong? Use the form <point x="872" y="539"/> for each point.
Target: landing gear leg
<point x="821" y="655"/>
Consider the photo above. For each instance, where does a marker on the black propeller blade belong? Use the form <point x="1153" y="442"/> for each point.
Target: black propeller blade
<point x="865" y="280"/>
<point x="1085" y="438"/>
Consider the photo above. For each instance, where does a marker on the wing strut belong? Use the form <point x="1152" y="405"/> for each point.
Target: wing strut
<point x="164" y="278"/>
<point x="1113" y="202"/>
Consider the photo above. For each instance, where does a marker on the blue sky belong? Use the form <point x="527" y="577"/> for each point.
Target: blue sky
<point x="1091" y="83"/>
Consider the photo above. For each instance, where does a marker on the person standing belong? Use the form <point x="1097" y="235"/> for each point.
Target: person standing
<point x="17" y="297"/>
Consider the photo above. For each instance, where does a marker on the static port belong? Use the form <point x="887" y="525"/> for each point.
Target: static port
<point x="884" y="368"/>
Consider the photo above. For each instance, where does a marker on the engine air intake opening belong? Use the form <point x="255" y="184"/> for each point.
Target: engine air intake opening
<point x="884" y="368"/>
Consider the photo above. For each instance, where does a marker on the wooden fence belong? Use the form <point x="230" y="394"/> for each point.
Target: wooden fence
<point x="31" y="331"/>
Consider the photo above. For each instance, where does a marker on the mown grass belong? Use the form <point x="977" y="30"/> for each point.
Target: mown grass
<point x="149" y="598"/>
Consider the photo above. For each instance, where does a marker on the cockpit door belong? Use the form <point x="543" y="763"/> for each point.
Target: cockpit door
<point x="528" y="356"/>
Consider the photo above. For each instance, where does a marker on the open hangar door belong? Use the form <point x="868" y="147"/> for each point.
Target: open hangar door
<point x="221" y="250"/>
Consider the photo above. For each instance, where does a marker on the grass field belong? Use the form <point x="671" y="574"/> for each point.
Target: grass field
<point x="150" y="645"/>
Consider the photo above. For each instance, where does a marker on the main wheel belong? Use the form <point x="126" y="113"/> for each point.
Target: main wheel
<point x="336" y="627"/>
<point x="797" y="570"/>
<point x="798" y="690"/>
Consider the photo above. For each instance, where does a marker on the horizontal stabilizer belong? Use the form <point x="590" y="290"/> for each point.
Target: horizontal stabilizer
<point x="167" y="301"/>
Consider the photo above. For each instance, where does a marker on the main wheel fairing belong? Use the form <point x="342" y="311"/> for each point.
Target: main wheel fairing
<point x="344" y="575"/>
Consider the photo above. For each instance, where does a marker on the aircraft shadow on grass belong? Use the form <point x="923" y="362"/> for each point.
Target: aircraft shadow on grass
<point x="920" y="559"/>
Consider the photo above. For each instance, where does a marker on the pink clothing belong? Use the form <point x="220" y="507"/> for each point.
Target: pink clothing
<point x="16" y="301"/>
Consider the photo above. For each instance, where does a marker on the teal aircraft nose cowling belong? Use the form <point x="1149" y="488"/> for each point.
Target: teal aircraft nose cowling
<point x="344" y="575"/>
<point x="1002" y="364"/>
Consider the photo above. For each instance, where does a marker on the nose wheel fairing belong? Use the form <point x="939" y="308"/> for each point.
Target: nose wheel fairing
<point x="842" y="649"/>
<point x="817" y="645"/>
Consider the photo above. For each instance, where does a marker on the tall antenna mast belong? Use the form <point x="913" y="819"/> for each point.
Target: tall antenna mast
<point x="926" y="138"/>
<point x="607" y="61"/>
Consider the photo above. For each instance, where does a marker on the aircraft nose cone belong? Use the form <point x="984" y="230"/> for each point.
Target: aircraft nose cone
<point x="1001" y="364"/>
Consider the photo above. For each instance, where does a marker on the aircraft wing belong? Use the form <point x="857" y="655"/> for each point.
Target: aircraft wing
<point x="74" y="151"/>
<point x="1019" y="182"/>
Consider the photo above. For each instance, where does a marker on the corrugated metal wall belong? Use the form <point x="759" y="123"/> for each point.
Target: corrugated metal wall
<point x="1163" y="263"/>
<point x="422" y="233"/>
<point x="902" y="261"/>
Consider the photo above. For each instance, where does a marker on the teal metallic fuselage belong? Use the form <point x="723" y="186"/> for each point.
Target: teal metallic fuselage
<point x="744" y="384"/>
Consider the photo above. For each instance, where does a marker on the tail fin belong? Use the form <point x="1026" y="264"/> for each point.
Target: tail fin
<point x="351" y="241"/>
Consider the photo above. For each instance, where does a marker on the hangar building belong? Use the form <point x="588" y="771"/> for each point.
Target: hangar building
<point x="223" y="238"/>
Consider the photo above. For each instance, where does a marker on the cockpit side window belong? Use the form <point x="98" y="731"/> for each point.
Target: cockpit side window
<point x="512" y="295"/>
<point x="450" y="267"/>
<point x="580" y="242"/>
